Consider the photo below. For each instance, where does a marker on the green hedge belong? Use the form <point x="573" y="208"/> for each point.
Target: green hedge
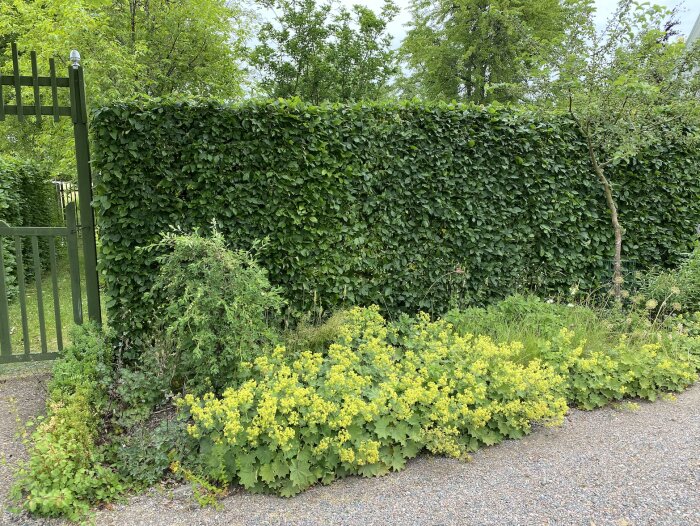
<point x="27" y="198"/>
<point x="403" y="205"/>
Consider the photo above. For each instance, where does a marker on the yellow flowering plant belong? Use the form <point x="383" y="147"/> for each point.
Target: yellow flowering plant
<point x="375" y="398"/>
<point x="596" y="378"/>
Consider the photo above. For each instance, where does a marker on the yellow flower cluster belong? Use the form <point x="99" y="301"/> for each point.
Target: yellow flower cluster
<point x="595" y="378"/>
<point x="366" y="405"/>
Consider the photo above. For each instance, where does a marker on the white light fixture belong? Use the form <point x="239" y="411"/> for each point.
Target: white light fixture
<point x="75" y="59"/>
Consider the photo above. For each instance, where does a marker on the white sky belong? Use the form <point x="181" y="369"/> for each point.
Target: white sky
<point x="690" y="12"/>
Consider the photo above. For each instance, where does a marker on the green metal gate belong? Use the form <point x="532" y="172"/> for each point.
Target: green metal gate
<point x="70" y="234"/>
<point x="55" y="237"/>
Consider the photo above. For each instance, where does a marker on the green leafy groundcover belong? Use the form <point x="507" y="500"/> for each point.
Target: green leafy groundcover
<point x="359" y="395"/>
<point x="65" y="473"/>
<point x="406" y="206"/>
<point x="382" y="392"/>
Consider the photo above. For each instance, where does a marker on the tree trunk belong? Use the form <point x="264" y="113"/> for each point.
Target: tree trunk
<point x="617" y="261"/>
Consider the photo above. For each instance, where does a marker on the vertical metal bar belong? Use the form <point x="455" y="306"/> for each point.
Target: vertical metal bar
<point x="5" y="342"/>
<point x="87" y="218"/>
<point x="74" y="263"/>
<point x="54" y="88"/>
<point x="56" y="301"/>
<point x="39" y="292"/>
<point x="37" y="92"/>
<point x="19" y="258"/>
<point x="18" y="87"/>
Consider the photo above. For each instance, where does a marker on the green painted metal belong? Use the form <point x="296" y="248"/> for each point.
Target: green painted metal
<point x="5" y="342"/>
<point x="6" y="230"/>
<point x="77" y="110"/>
<point x="22" y="292"/>
<point x="36" y="260"/>
<point x="54" y="288"/>
<point x="18" y="85"/>
<point x="35" y="85"/>
<point x="35" y="357"/>
<point x="74" y="263"/>
<point x="28" y="80"/>
<point x="87" y="216"/>
<point x="31" y="110"/>
<point x="70" y="233"/>
<point x="54" y="88"/>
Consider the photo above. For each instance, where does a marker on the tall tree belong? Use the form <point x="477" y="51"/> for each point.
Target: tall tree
<point x="484" y="50"/>
<point x="627" y="86"/>
<point x="129" y="47"/>
<point x="319" y="51"/>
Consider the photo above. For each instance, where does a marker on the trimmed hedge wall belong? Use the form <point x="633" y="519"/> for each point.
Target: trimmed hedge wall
<point x="27" y="198"/>
<point x="402" y="205"/>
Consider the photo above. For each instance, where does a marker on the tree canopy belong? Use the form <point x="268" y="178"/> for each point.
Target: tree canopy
<point x="129" y="47"/>
<point x="485" y="50"/>
<point x="628" y="86"/>
<point x="320" y="51"/>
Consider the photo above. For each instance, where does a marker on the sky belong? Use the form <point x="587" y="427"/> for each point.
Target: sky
<point x="690" y="12"/>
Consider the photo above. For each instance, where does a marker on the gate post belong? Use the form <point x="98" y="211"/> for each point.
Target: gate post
<point x="82" y="158"/>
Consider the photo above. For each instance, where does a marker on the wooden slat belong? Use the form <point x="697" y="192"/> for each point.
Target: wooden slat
<point x="56" y="302"/>
<point x="5" y="341"/>
<point x="74" y="263"/>
<point x="39" y="293"/>
<point x="54" y="88"/>
<point x="18" y="88"/>
<point x="27" y="80"/>
<point x="35" y="84"/>
<point x="35" y="357"/>
<point x="63" y="111"/>
<point x="22" y="293"/>
<point x="33" y="230"/>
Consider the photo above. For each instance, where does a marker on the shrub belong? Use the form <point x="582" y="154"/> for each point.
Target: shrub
<point x="407" y="206"/>
<point x="602" y="356"/>
<point x="675" y="290"/>
<point x="366" y="405"/>
<point x="65" y="473"/>
<point x="594" y="379"/>
<point x="215" y="305"/>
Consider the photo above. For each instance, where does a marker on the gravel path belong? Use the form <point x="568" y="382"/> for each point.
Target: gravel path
<point x="20" y="399"/>
<point x="615" y="466"/>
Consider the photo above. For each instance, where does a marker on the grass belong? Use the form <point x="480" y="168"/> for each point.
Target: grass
<point x="534" y="323"/>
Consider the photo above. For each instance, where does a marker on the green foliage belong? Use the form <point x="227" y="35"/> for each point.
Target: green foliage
<point x="379" y="393"/>
<point x="603" y="355"/>
<point x="65" y="473"/>
<point x="596" y="378"/>
<point x="143" y="456"/>
<point x="485" y="50"/>
<point x="676" y="290"/>
<point x="212" y="310"/>
<point x="534" y="322"/>
<point x="27" y="198"/>
<point x="319" y="51"/>
<point x="629" y="86"/>
<point x="408" y="206"/>
<point x="129" y="47"/>
<point x="367" y="405"/>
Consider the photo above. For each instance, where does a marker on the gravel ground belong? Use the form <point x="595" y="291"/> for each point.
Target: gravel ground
<point x="21" y="398"/>
<point x="616" y="466"/>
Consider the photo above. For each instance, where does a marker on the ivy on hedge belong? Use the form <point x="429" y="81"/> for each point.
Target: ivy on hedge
<point x="406" y="205"/>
